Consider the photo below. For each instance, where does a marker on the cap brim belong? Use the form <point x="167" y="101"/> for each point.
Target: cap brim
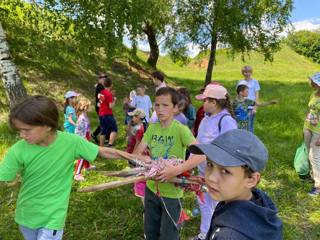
<point x="200" y="97"/>
<point x="216" y="155"/>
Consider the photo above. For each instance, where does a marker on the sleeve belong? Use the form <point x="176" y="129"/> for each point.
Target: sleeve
<point x="228" y="123"/>
<point x="147" y="136"/>
<point x="186" y="136"/>
<point x="257" y="86"/>
<point x="10" y="166"/>
<point x="86" y="150"/>
<point x="133" y="102"/>
<point x="70" y="111"/>
<point x="150" y="103"/>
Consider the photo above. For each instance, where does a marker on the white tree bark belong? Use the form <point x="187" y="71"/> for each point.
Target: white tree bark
<point x="14" y="88"/>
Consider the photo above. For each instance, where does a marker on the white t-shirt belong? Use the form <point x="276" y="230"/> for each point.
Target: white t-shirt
<point x="253" y="87"/>
<point x="143" y="102"/>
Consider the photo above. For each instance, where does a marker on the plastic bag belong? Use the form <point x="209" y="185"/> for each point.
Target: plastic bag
<point x="301" y="161"/>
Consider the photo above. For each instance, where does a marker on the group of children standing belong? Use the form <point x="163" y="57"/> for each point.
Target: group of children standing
<point x="230" y="159"/>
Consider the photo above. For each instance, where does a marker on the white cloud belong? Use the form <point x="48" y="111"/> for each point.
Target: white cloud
<point x="308" y="24"/>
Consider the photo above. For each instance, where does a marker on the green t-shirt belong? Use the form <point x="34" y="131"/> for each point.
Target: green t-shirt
<point x="47" y="175"/>
<point x="312" y="121"/>
<point x="169" y="142"/>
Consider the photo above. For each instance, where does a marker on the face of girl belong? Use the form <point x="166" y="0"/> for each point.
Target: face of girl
<point x="210" y="105"/>
<point x="227" y="183"/>
<point x="72" y="101"/>
<point x="40" y="135"/>
<point x="140" y="91"/>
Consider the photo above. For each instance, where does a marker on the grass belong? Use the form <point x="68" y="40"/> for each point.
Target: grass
<point x="117" y="214"/>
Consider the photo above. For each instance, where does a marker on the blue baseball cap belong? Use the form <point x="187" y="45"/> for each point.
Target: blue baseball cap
<point x="70" y="94"/>
<point x="315" y="78"/>
<point x="234" y="148"/>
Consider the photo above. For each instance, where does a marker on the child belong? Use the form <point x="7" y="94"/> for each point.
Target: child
<point x="218" y="119"/>
<point x="242" y="104"/>
<point x="44" y="157"/>
<point x="126" y="106"/>
<point x="142" y="101"/>
<point x="70" y="117"/>
<point x="253" y="93"/>
<point x="235" y="161"/>
<point x="312" y="133"/>
<point x="135" y="133"/>
<point x="99" y="87"/>
<point x="83" y="130"/>
<point x="107" y="122"/>
<point x="166" y="139"/>
<point x="189" y="111"/>
<point x="158" y="80"/>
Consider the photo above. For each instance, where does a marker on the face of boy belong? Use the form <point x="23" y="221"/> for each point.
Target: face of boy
<point x="228" y="183"/>
<point x="140" y="91"/>
<point x="40" y="135"/>
<point x="164" y="108"/>
<point x="245" y="92"/>
<point x="247" y="73"/>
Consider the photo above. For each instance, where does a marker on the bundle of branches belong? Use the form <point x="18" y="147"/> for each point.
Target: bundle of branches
<point x="150" y="171"/>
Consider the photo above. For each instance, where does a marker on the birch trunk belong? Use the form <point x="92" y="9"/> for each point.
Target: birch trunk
<point x="14" y="88"/>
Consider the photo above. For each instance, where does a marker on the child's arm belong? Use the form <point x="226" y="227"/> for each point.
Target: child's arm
<point x="71" y="120"/>
<point x="263" y="104"/>
<point x="171" y="171"/>
<point x="118" y="154"/>
<point x="113" y="103"/>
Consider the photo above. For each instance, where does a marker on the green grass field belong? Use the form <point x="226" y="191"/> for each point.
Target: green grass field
<point x="117" y="214"/>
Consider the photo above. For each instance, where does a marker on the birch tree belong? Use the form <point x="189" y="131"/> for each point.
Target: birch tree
<point x="14" y="88"/>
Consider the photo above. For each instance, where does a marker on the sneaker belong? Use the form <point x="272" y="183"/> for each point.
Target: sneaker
<point x="78" y="177"/>
<point x="200" y="236"/>
<point x="95" y="138"/>
<point x="314" y="192"/>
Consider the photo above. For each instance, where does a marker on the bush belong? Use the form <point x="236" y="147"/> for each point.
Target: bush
<point x="306" y="43"/>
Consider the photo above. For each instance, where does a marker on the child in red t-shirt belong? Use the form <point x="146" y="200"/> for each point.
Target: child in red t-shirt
<point x="107" y="122"/>
<point x="135" y="133"/>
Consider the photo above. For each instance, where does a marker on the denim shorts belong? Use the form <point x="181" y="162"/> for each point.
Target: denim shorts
<point x="40" y="233"/>
<point x="108" y="124"/>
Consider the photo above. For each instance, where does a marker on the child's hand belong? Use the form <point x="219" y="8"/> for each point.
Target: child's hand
<point x="318" y="142"/>
<point x="168" y="172"/>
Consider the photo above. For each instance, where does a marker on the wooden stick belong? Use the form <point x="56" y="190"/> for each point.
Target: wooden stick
<point x="123" y="173"/>
<point x="113" y="184"/>
<point x="126" y="181"/>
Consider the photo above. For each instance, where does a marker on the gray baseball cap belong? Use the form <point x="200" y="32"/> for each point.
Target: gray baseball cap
<point x="235" y="148"/>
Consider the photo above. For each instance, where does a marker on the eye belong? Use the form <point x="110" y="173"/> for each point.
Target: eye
<point x="225" y="171"/>
<point x="209" y="164"/>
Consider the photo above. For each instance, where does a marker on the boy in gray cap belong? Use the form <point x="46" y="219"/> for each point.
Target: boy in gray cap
<point x="235" y="160"/>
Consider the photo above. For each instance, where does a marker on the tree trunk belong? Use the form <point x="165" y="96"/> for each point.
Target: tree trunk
<point x="154" y="48"/>
<point x="211" y="60"/>
<point x="14" y="88"/>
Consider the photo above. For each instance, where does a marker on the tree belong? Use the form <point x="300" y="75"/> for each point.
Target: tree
<point x="245" y="25"/>
<point x="14" y="88"/>
<point x="153" y="21"/>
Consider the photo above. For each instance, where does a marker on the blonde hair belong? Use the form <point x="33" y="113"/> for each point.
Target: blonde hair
<point x="246" y="68"/>
<point x="82" y="105"/>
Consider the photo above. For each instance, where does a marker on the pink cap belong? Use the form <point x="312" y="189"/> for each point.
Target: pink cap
<point x="213" y="91"/>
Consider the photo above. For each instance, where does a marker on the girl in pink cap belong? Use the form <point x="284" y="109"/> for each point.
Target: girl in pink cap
<point x="218" y="119"/>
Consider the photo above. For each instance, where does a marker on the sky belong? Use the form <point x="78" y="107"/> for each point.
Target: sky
<point x="305" y="9"/>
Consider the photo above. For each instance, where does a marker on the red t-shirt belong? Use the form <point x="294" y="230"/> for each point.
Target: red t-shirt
<point x="105" y="98"/>
<point x="135" y="135"/>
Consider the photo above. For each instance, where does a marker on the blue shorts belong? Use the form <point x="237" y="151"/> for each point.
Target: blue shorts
<point x="108" y="125"/>
<point x="40" y="233"/>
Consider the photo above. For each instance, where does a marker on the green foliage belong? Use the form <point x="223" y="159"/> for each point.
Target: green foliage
<point x="306" y="43"/>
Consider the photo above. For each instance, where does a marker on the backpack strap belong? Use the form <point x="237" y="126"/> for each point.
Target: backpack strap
<point x="220" y="120"/>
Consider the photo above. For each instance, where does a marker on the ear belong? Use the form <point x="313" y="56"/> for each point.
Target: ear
<point x="253" y="180"/>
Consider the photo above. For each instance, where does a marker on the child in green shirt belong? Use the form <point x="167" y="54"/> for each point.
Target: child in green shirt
<point x="44" y="158"/>
<point x="166" y="139"/>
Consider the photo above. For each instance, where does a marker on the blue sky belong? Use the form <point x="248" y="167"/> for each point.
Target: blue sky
<point x="305" y="9"/>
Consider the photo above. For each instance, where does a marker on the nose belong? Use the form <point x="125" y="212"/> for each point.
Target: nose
<point x="211" y="175"/>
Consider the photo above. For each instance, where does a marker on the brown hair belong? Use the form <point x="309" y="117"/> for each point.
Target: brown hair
<point x="226" y="103"/>
<point x="35" y="111"/>
<point x="171" y="92"/>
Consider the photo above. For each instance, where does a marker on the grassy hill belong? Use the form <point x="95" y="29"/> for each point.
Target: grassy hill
<point x="117" y="214"/>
